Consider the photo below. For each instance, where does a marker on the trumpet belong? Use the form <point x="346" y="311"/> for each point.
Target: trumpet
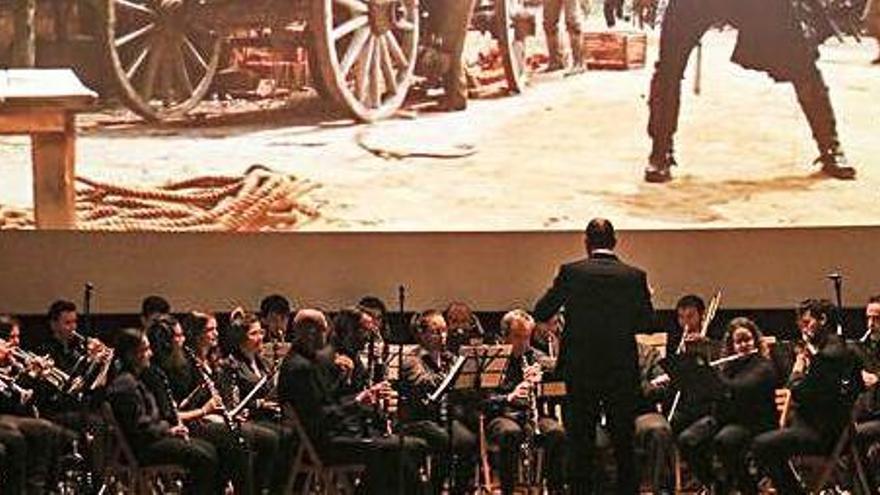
<point x="38" y="366"/>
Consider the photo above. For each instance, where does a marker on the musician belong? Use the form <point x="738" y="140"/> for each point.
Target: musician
<point x="547" y="335"/>
<point x="189" y="388"/>
<point x="151" y="307"/>
<point x="377" y="310"/>
<point x="31" y="445"/>
<point x="868" y="404"/>
<point x="606" y="303"/>
<point x="747" y="409"/>
<point x="336" y="425"/>
<point x="275" y="317"/>
<point x="464" y="326"/>
<point x="153" y="439"/>
<point x="653" y="434"/>
<point x="514" y="419"/>
<point x="825" y="381"/>
<point x="350" y="339"/>
<point x="422" y="373"/>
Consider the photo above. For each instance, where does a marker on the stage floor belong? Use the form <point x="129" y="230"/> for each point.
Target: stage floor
<point x="567" y="150"/>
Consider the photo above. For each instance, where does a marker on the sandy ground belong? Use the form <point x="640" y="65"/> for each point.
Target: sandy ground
<point x="568" y="149"/>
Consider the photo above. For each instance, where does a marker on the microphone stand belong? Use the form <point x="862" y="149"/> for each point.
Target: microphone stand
<point x="87" y="308"/>
<point x="837" y="279"/>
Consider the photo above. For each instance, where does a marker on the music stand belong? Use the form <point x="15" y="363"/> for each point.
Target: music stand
<point x="391" y="362"/>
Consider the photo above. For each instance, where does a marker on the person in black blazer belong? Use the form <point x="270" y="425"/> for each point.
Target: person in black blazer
<point x="606" y="303"/>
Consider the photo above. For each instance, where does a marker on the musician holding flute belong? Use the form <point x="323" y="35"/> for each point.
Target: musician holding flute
<point x="746" y="410"/>
<point x="825" y="381"/>
<point x="422" y="372"/>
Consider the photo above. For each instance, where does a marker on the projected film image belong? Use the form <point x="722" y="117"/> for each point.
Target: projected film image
<point x="459" y="115"/>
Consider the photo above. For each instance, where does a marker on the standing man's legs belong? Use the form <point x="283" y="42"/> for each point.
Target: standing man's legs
<point x="574" y="26"/>
<point x="654" y="435"/>
<point x="684" y="23"/>
<point x="580" y="414"/>
<point x="620" y="408"/>
<point x="456" y="17"/>
<point x="552" y="9"/>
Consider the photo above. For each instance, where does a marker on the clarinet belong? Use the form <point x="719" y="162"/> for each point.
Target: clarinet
<point x="230" y="422"/>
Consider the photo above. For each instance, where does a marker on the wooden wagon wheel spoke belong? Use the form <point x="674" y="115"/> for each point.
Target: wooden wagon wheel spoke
<point x="191" y="48"/>
<point x="387" y="65"/>
<point x="354" y="50"/>
<point x="137" y="33"/>
<point x="404" y="25"/>
<point x="135" y="7"/>
<point x="350" y="26"/>
<point x="355" y="6"/>
<point x="396" y="50"/>
<point x="364" y="65"/>
<point x="154" y="61"/>
<point x="375" y="97"/>
<point x="182" y="75"/>
<point x="138" y="62"/>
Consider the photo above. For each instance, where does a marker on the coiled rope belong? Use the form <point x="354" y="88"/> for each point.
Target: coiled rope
<point x="260" y="199"/>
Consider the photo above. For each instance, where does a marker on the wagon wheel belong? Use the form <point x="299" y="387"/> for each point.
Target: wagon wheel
<point x="366" y="52"/>
<point x="511" y="43"/>
<point x="162" y="56"/>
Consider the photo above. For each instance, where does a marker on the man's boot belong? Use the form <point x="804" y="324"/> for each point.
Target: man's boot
<point x="554" y="52"/>
<point x="577" y="54"/>
<point x="660" y="163"/>
<point x="813" y="97"/>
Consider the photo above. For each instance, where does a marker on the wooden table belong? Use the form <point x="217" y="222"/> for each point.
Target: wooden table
<point x="43" y="103"/>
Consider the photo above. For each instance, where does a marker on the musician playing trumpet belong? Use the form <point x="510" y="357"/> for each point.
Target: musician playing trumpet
<point x="516" y="416"/>
<point x="825" y="380"/>
<point x="747" y="409"/>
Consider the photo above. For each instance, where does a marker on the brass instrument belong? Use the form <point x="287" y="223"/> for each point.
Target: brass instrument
<point x="38" y="366"/>
<point x="714" y="303"/>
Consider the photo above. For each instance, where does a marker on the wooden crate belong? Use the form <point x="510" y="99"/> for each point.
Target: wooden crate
<point x="615" y="50"/>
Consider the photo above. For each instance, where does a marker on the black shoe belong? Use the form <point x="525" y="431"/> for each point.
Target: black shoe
<point x="834" y="164"/>
<point x="659" y="169"/>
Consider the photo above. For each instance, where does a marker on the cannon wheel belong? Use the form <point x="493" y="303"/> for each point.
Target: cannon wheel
<point x="162" y="58"/>
<point x="513" y="48"/>
<point x="366" y="52"/>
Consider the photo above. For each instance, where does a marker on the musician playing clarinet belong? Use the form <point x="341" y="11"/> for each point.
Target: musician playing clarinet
<point x="825" y="381"/>
<point x="422" y="372"/>
<point x="868" y="405"/>
<point x="747" y="409"/>
<point x="516" y="417"/>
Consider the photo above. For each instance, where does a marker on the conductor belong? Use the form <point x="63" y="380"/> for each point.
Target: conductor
<point x="606" y="303"/>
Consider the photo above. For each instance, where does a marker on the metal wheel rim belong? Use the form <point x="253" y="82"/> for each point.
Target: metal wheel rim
<point x="163" y="60"/>
<point x="366" y="53"/>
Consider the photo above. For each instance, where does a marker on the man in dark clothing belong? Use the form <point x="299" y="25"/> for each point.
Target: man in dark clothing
<point x="780" y="37"/>
<point x="825" y="381"/>
<point x="337" y="425"/>
<point x="606" y="303"/>
<point x="653" y="434"/>
<point x="450" y="19"/>
<point x="421" y="374"/>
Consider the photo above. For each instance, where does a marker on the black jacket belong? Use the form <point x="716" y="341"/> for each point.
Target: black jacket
<point x="136" y="411"/>
<point x="606" y="303"/>
<point x="751" y="386"/>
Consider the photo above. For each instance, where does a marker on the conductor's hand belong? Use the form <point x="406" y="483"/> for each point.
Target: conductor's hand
<point x="520" y="394"/>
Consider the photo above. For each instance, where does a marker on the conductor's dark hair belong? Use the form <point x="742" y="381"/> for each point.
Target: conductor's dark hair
<point x="600" y="234"/>
<point x="274" y="304"/>
<point x="691" y="301"/>
<point x="60" y="306"/>
<point x="155" y="305"/>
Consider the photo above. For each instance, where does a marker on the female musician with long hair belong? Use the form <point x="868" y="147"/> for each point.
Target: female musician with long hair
<point x="746" y="410"/>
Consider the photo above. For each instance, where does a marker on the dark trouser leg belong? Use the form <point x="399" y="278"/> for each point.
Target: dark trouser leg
<point x="732" y="444"/>
<point x="14" y="468"/>
<point x="197" y="456"/>
<point x="234" y="460"/>
<point x="620" y="406"/>
<point x="612" y="10"/>
<point x="868" y="435"/>
<point x="266" y="445"/>
<point x="695" y="443"/>
<point x="574" y="26"/>
<point x="552" y="10"/>
<point x="684" y="23"/>
<point x="774" y="449"/>
<point x="464" y="445"/>
<point x="384" y="457"/>
<point x="44" y="440"/>
<point x="553" y="441"/>
<point x="580" y="414"/>
<point x="654" y="435"/>
<point x="456" y="16"/>
<point x="508" y="435"/>
<point x="812" y="94"/>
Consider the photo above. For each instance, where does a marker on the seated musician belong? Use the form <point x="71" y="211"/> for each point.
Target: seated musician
<point x="688" y="338"/>
<point x="422" y="372"/>
<point x="275" y="317"/>
<point x="513" y="421"/>
<point x="350" y="339"/>
<point x="825" y="381"/>
<point x="653" y="433"/>
<point x="31" y="445"/>
<point x="547" y="335"/>
<point x="243" y="371"/>
<point x="868" y="405"/>
<point x="464" y="326"/>
<point x="336" y="425"/>
<point x="746" y="410"/>
<point x="153" y="439"/>
<point x="376" y="308"/>
<point x="170" y="365"/>
<point x="153" y="307"/>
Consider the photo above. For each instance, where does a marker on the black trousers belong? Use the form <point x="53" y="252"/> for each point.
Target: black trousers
<point x="684" y="24"/>
<point x="618" y="398"/>
<point x="654" y="440"/>
<point x="463" y="448"/>
<point x="509" y="434"/>
<point x="707" y="438"/>
<point x="384" y="456"/>
<point x="33" y="446"/>
<point x="773" y="450"/>
<point x="868" y="442"/>
<point x="234" y="460"/>
<point x="195" y="455"/>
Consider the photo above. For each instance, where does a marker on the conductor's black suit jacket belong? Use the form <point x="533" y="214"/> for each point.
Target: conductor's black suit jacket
<point x="606" y="303"/>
